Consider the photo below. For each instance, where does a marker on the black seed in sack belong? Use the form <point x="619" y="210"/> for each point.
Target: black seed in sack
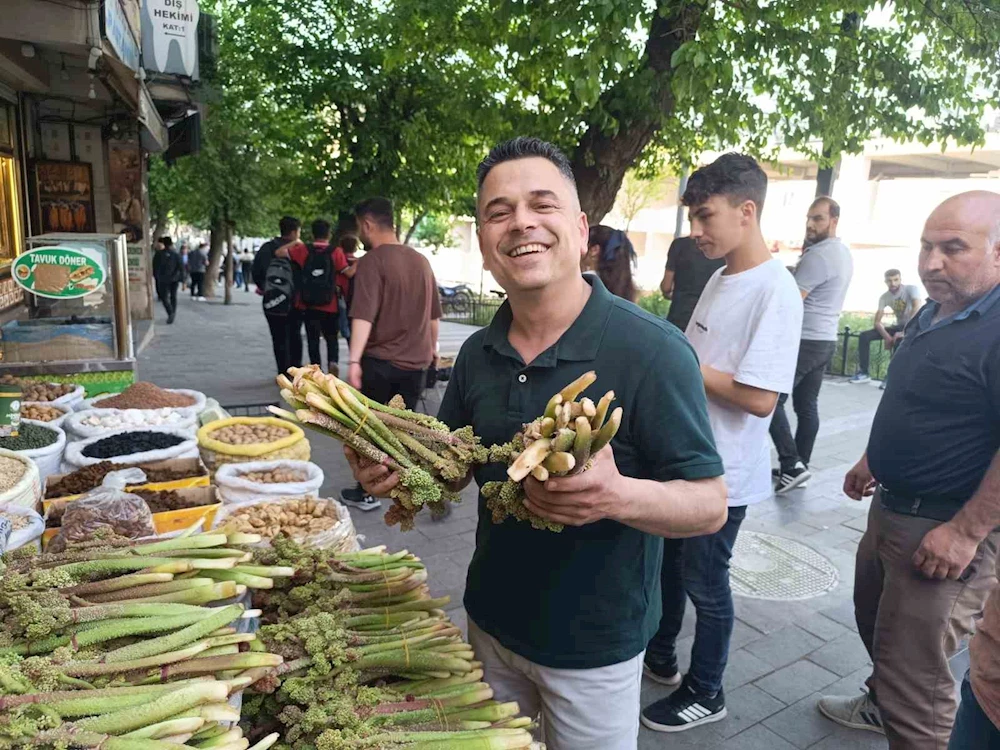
<point x="30" y="437"/>
<point x="131" y="442"/>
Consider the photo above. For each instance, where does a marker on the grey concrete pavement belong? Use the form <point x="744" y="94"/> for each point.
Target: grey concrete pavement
<point x="784" y="654"/>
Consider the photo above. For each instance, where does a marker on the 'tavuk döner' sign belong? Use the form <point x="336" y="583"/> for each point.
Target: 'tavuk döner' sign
<point x="58" y="272"/>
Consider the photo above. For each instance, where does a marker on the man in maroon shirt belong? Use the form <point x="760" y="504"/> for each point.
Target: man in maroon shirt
<point x="395" y="312"/>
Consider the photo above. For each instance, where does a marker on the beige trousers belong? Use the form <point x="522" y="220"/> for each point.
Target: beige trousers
<point x="581" y="709"/>
<point x="912" y="626"/>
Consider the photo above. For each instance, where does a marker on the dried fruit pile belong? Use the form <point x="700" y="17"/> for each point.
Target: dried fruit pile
<point x="87" y="478"/>
<point x="275" y="476"/>
<point x="428" y="456"/>
<point x="558" y="443"/>
<point x="126" y="443"/>
<point x="41" y="413"/>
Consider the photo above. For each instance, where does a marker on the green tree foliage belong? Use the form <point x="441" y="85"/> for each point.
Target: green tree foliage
<point x="435" y="230"/>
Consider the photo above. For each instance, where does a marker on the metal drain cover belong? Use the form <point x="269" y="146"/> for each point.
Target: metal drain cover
<point x="771" y="567"/>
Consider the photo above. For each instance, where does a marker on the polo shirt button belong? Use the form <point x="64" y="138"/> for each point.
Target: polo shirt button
<point x="522" y="378"/>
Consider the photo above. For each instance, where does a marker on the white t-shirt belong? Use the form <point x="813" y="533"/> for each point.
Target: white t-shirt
<point x="748" y="325"/>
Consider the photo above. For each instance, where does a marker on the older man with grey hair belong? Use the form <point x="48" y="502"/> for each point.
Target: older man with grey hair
<point x="927" y="560"/>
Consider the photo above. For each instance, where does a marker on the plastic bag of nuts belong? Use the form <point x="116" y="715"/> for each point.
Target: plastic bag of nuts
<point x="310" y="521"/>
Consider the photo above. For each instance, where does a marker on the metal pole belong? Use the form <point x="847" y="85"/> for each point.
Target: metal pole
<point x="843" y="354"/>
<point x="681" y="187"/>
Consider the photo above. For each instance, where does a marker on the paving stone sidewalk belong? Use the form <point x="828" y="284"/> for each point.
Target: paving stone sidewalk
<point x="784" y="654"/>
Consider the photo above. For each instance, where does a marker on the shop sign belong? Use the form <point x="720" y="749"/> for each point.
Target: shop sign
<point x="136" y="263"/>
<point x="59" y="272"/>
<point x="119" y="34"/>
<point x="170" y="36"/>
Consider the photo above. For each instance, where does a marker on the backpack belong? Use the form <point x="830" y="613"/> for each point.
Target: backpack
<point x="279" y="287"/>
<point x="318" y="279"/>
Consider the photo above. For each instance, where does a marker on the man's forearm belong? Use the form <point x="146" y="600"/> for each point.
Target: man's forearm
<point x="360" y="331"/>
<point x="981" y="514"/>
<point x="674" y="509"/>
<point x="435" y="332"/>
<point x="723" y="387"/>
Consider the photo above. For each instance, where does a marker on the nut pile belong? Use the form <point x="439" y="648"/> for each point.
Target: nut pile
<point x="248" y="434"/>
<point x="41" y="413"/>
<point x="296" y="517"/>
<point x="143" y="395"/>
<point x="127" y="418"/>
<point x="11" y="471"/>
<point x="275" y="476"/>
<point x="17" y="521"/>
<point x="85" y="479"/>
<point x="127" y="443"/>
<point x="29" y="437"/>
<point x="34" y="391"/>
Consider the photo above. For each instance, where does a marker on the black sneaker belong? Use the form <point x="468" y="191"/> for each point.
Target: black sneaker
<point x="794" y="478"/>
<point x="683" y="709"/>
<point x="356" y="497"/>
<point x="662" y="673"/>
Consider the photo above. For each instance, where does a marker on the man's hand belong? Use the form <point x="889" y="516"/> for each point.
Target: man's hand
<point x="859" y="481"/>
<point x="354" y="374"/>
<point x="945" y="552"/>
<point x="376" y="479"/>
<point x="897" y="337"/>
<point x="580" y="499"/>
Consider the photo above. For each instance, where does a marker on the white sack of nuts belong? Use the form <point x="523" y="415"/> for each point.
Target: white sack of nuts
<point x="242" y="483"/>
<point x="310" y="521"/>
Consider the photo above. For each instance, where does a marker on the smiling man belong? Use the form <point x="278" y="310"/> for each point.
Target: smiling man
<point x="561" y="621"/>
<point x="927" y="560"/>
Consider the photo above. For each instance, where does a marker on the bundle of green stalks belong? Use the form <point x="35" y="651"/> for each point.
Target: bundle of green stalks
<point x="370" y="660"/>
<point x="559" y="443"/>
<point x="429" y="457"/>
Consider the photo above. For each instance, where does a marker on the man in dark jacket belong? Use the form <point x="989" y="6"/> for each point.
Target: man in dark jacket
<point x="197" y="265"/>
<point x="167" y="274"/>
<point x="286" y="330"/>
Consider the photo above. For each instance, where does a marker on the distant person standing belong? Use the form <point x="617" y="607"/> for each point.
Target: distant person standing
<point x="168" y="271"/>
<point x="611" y="256"/>
<point x="197" y="265"/>
<point x="345" y="284"/>
<point x="823" y="275"/>
<point x="904" y="301"/>
<point x="246" y="267"/>
<point x="394" y="319"/>
<point x="186" y="280"/>
<point x="319" y="263"/>
<point x="283" y="320"/>
<point x="687" y="272"/>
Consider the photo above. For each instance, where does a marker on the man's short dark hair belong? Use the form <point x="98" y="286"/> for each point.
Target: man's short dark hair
<point x="831" y="204"/>
<point x="736" y="177"/>
<point x="892" y="272"/>
<point x="524" y="147"/>
<point x="378" y="210"/>
<point x="288" y="224"/>
<point x="321" y="229"/>
<point x="167" y="241"/>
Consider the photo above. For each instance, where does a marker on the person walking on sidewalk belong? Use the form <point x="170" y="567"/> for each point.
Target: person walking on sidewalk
<point x="395" y="315"/>
<point x="197" y="265"/>
<point x="684" y="278"/>
<point x="168" y="271"/>
<point x="927" y="560"/>
<point x="316" y="298"/>
<point x="246" y="267"/>
<point x="283" y="321"/>
<point x="904" y="301"/>
<point x="823" y="275"/>
<point x="348" y="245"/>
<point x="740" y="329"/>
<point x="977" y="723"/>
<point x="561" y="621"/>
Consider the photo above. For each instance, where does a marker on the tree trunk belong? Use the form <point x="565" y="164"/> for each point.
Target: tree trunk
<point x="229" y="263"/>
<point x="215" y="244"/>
<point x="602" y="157"/>
<point x="413" y="227"/>
<point x="158" y="222"/>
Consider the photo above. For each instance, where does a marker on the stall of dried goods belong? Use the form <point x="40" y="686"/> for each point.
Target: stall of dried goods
<point x="245" y="439"/>
<point x="41" y="412"/>
<point x="88" y="477"/>
<point x="428" y="456"/>
<point x="562" y="441"/>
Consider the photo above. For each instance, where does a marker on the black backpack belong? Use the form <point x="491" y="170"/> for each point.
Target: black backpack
<point x="279" y="287"/>
<point x="317" y="279"/>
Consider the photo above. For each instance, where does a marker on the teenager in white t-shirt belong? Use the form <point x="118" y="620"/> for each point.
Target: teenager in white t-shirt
<point x="745" y="330"/>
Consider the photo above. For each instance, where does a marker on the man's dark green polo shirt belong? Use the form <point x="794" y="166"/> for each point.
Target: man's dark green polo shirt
<point x="589" y="596"/>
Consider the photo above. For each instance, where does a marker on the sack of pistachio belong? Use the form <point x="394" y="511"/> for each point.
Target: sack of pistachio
<point x="244" y="439"/>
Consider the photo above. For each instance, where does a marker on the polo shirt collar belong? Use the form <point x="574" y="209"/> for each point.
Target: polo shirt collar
<point x="980" y="307"/>
<point x="580" y="342"/>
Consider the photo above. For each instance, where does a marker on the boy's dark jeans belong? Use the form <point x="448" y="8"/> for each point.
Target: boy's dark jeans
<point x="698" y="568"/>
